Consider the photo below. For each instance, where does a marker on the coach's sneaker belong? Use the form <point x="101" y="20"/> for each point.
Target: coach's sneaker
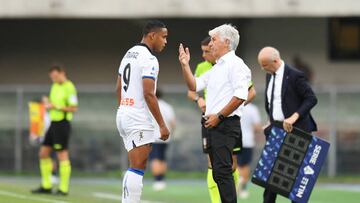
<point x="60" y="193"/>
<point x="41" y="190"/>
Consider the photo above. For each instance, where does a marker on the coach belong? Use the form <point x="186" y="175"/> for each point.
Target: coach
<point x="227" y="85"/>
<point x="288" y="98"/>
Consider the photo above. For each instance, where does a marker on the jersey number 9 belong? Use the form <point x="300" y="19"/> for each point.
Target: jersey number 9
<point x="126" y="77"/>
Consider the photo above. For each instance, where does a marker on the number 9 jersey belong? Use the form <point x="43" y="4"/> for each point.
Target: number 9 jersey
<point x="137" y="64"/>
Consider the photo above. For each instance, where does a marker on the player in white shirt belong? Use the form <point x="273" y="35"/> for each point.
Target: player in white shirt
<point x="157" y="155"/>
<point x="138" y="112"/>
<point x="250" y="124"/>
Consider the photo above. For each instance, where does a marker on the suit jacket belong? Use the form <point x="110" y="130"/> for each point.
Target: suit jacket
<point x="296" y="96"/>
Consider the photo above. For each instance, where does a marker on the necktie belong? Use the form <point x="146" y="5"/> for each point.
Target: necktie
<point x="272" y="99"/>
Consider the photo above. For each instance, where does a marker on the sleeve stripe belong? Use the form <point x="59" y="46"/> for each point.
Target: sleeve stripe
<point x="148" y="77"/>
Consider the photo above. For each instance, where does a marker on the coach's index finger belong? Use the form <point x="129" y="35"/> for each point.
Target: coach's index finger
<point x="181" y="48"/>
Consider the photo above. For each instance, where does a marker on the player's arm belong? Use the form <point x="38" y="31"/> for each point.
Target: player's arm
<point x="184" y="58"/>
<point x="153" y="105"/>
<point x="118" y="89"/>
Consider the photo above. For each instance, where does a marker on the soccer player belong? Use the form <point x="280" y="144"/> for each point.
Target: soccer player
<point x="250" y="124"/>
<point x="138" y="106"/>
<point x="157" y="155"/>
<point x="61" y="104"/>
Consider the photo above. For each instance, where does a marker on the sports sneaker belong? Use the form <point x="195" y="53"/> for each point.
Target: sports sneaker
<point x="60" y="193"/>
<point x="41" y="190"/>
<point x="159" y="185"/>
<point x="244" y="194"/>
<point x="54" y="179"/>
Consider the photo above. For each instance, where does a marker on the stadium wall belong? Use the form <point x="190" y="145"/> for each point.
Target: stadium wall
<point x="92" y="49"/>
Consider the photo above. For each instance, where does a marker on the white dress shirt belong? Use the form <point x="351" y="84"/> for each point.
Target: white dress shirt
<point x="229" y="77"/>
<point x="277" y="110"/>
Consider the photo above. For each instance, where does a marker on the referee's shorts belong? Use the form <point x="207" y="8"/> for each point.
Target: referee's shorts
<point x="58" y="134"/>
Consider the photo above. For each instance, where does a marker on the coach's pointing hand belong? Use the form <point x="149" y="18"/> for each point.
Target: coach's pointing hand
<point x="184" y="55"/>
<point x="164" y="133"/>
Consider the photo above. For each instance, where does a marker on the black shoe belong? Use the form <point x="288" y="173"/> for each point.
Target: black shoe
<point x="60" y="193"/>
<point x="41" y="190"/>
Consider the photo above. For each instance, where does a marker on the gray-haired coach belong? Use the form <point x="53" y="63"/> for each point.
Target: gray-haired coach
<point x="227" y="88"/>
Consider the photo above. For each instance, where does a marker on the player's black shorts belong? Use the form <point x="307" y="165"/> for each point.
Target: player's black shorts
<point x="58" y="135"/>
<point x="245" y="156"/>
<point x="206" y="140"/>
<point x="158" y="151"/>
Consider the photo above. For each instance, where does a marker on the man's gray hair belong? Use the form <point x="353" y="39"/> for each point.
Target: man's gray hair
<point x="229" y="32"/>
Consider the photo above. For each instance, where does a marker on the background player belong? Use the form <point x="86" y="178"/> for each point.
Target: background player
<point x="250" y="124"/>
<point x="157" y="155"/>
<point x="138" y="105"/>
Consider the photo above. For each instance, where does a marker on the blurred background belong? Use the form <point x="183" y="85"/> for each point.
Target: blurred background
<point x="90" y="37"/>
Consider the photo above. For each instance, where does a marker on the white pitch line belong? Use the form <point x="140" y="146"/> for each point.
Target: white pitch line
<point x="115" y="197"/>
<point x="19" y="196"/>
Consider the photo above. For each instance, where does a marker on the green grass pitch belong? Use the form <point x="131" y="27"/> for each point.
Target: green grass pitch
<point x="91" y="190"/>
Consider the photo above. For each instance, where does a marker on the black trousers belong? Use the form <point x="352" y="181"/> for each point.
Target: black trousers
<point x="222" y="141"/>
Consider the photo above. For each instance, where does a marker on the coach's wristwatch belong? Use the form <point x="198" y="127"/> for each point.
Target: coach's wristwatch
<point x="220" y="116"/>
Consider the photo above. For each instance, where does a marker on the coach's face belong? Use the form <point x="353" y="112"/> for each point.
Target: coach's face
<point x="160" y="39"/>
<point x="218" y="46"/>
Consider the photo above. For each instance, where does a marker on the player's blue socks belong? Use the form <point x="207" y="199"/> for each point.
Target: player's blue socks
<point x="132" y="185"/>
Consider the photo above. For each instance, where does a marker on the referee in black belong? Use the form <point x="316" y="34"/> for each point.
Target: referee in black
<point x="227" y="85"/>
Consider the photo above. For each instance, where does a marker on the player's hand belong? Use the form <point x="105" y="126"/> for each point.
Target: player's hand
<point x="164" y="133"/>
<point x="212" y="121"/>
<point x="202" y="104"/>
<point x="184" y="55"/>
<point x="288" y="123"/>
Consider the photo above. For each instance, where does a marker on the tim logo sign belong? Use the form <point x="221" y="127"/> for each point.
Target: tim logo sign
<point x="290" y="163"/>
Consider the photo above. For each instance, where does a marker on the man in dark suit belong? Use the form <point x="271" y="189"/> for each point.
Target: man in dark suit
<point x="288" y="98"/>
